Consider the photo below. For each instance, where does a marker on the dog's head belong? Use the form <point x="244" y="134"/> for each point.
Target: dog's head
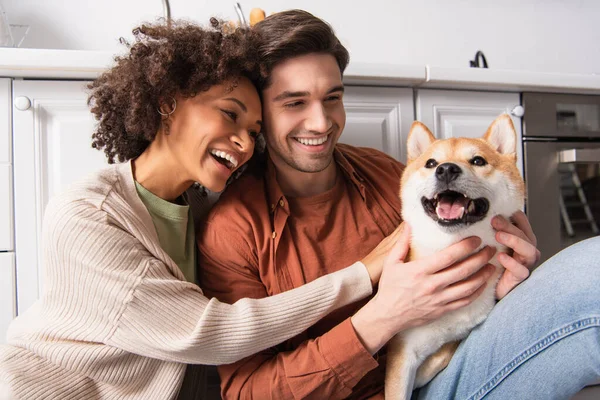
<point x="459" y="182"/>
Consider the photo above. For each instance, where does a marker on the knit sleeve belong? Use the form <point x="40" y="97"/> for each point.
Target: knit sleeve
<point x="172" y="320"/>
<point x="108" y="287"/>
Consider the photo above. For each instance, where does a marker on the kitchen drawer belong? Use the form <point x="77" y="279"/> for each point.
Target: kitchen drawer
<point x="6" y="208"/>
<point x="5" y="125"/>
<point x="8" y="294"/>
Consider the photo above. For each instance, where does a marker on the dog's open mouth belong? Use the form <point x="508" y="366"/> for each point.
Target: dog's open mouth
<point x="450" y="208"/>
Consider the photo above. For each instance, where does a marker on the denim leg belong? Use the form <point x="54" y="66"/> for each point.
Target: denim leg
<point x="542" y="341"/>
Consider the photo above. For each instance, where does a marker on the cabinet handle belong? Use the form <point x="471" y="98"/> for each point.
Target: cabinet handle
<point x="518" y="111"/>
<point x="22" y="103"/>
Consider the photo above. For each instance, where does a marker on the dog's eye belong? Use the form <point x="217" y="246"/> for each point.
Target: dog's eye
<point x="431" y="163"/>
<point x="478" y="161"/>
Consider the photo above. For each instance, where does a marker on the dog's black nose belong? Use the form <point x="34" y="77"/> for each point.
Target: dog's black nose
<point x="447" y="172"/>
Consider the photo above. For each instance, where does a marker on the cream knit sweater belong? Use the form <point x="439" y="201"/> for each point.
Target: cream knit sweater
<point x="117" y="320"/>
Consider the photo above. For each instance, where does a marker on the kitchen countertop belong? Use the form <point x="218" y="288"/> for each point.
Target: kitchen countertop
<point x="53" y="64"/>
<point x="76" y="64"/>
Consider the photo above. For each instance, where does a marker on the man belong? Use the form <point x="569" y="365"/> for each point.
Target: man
<point x="318" y="207"/>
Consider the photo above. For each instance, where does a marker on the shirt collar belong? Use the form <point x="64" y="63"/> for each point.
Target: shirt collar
<point x="276" y="196"/>
<point x="349" y="171"/>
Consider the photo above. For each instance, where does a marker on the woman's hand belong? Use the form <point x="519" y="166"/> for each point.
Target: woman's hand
<point x="375" y="259"/>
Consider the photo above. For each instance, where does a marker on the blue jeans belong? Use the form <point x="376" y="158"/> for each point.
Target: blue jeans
<point x="542" y="341"/>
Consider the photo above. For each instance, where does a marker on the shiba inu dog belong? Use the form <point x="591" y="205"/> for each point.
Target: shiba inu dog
<point x="450" y="190"/>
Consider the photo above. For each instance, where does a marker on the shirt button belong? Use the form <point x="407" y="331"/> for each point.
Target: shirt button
<point x="274" y="235"/>
<point x="272" y="207"/>
<point x="281" y="203"/>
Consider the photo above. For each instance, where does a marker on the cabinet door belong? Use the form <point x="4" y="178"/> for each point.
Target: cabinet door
<point x="379" y="118"/>
<point x="450" y="113"/>
<point x="5" y="124"/>
<point x="52" y="148"/>
<point x="6" y="210"/>
<point x="8" y="297"/>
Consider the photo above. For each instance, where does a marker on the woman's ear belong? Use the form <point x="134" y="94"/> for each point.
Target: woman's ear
<point x="167" y="107"/>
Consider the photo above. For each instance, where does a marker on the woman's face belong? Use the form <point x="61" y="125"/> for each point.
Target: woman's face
<point x="212" y="134"/>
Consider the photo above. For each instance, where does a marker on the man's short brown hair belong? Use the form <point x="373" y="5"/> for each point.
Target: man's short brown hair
<point x="294" y="33"/>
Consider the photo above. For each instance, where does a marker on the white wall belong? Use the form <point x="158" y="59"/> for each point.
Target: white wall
<point x="535" y="35"/>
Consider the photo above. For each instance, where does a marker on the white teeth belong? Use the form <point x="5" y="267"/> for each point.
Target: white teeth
<point x="312" y="142"/>
<point x="225" y="156"/>
<point x="232" y="160"/>
<point x="471" y="207"/>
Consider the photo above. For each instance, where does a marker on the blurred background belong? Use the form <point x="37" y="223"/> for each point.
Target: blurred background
<point x="535" y="35"/>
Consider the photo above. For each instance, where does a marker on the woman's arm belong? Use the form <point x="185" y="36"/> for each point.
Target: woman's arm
<point x="103" y="279"/>
<point x="172" y="320"/>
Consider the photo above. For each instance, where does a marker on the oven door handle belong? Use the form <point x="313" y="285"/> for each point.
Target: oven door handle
<point x="579" y="156"/>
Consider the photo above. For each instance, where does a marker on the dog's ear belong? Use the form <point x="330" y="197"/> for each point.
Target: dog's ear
<point x="419" y="139"/>
<point x="501" y="135"/>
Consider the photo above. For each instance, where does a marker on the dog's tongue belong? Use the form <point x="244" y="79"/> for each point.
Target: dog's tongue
<point x="448" y="208"/>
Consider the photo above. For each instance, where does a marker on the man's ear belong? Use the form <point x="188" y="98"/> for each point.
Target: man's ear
<point x="502" y="136"/>
<point x="419" y="139"/>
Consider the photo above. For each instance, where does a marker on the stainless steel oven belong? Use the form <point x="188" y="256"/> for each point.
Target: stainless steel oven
<point x="561" y="149"/>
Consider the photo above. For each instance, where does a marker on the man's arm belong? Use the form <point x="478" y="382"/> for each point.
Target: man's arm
<point x="327" y="367"/>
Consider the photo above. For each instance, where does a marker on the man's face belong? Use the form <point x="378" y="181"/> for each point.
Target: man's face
<point x="304" y="113"/>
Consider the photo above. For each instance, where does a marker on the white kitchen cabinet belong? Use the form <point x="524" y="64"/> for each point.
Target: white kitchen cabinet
<point x="52" y="129"/>
<point x="378" y="117"/>
<point x="6" y="210"/>
<point x="5" y="125"/>
<point x="451" y="113"/>
<point x="8" y="297"/>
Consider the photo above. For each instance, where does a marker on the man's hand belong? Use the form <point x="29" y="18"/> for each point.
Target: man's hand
<point x="416" y="292"/>
<point x="520" y="239"/>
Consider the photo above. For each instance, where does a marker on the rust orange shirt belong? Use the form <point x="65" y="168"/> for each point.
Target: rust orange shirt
<point x="256" y="242"/>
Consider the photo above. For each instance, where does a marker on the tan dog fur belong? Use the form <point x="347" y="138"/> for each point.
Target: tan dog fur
<point x="417" y="355"/>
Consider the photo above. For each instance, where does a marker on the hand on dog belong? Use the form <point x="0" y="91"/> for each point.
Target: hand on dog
<point x="374" y="260"/>
<point x="519" y="237"/>
<point x="415" y="292"/>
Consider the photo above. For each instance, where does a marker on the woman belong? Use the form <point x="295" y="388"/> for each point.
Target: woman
<point x="120" y="316"/>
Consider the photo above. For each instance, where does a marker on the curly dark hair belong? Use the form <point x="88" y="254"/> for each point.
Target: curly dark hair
<point x="166" y="59"/>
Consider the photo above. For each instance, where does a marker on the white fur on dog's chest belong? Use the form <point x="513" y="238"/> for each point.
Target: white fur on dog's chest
<point x="426" y="339"/>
